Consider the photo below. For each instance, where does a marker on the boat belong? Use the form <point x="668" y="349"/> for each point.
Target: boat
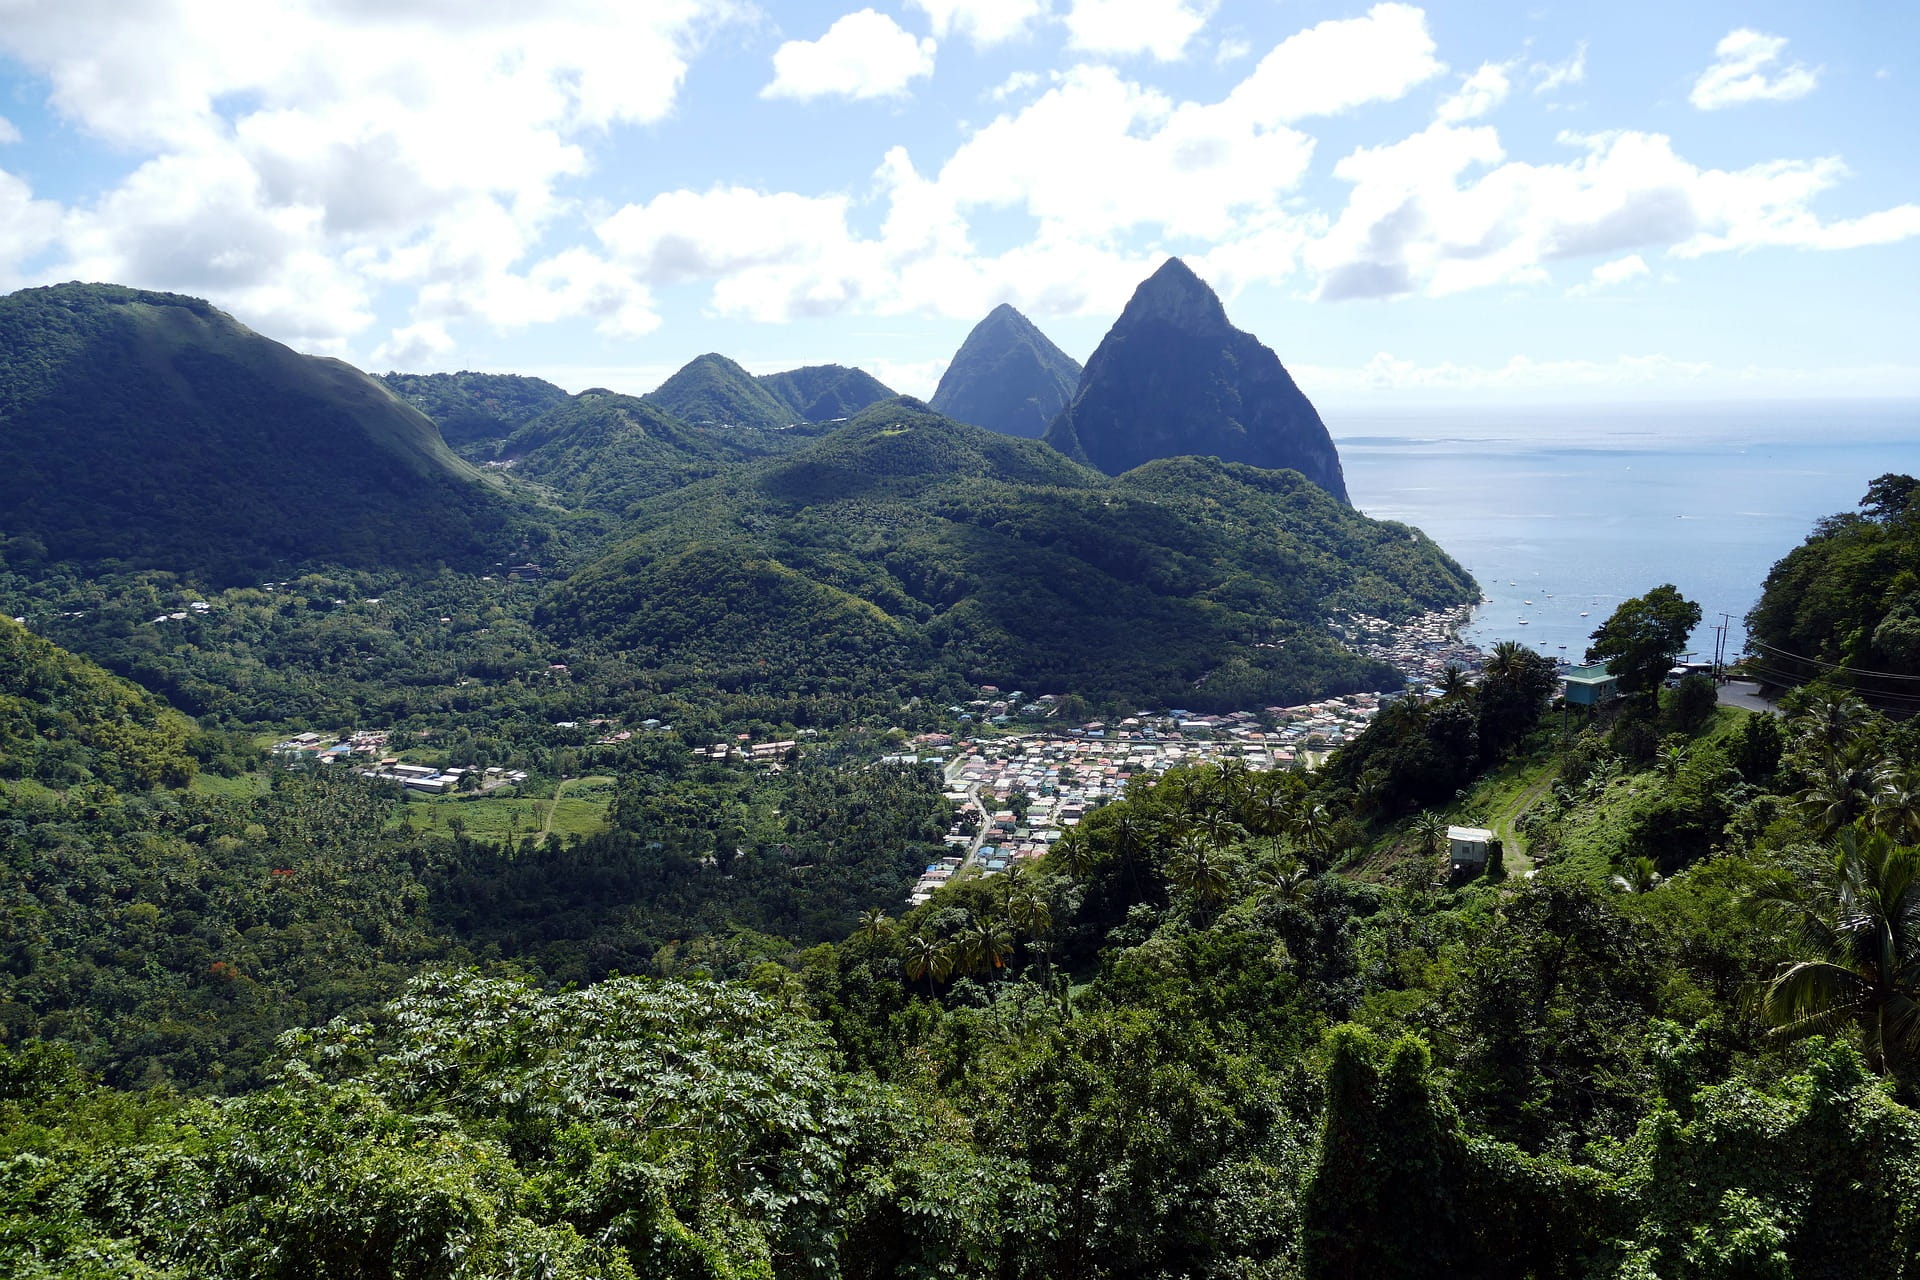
<point x="1523" y="622"/>
<point x="1583" y="613"/>
<point x="1526" y="602"/>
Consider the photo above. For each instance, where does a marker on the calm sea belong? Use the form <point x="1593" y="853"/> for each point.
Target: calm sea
<point x="1562" y="513"/>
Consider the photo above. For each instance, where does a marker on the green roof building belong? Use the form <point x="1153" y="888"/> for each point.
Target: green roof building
<point x="1590" y="686"/>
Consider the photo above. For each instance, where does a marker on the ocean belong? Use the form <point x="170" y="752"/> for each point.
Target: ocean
<point x="1562" y="513"/>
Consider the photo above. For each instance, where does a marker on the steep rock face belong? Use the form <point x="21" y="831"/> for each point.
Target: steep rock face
<point x="1007" y="377"/>
<point x="712" y="389"/>
<point x="825" y="392"/>
<point x="1173" y="377"/>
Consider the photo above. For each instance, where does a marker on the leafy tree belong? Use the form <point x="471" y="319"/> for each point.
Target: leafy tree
<point x="1643" y="637"/>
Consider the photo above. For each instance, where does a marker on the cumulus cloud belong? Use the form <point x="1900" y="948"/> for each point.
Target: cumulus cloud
<point x="1477" y="95"/>
<point x="1446" y="210"/>
<point x="1339" y="65"/>
<point x="1743" y="71"/>
<point x="1159" y="28"/>
<point x="297" y="157"/>
<point x="9" y="132"/>
<point x="983" y="22"/>
<point x="1549" y="76"/>
<point x="1612" y="273"/>
<point x="863" y="55"/>
<point x="1014" y="85"/>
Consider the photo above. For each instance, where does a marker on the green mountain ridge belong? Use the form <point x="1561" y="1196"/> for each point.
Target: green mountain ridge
<point x="475" y="408"/>
<point x="1007" y="376"/>
<point x="825" y="392"/>
<point x="713" y="390"/>
<point x="152" y="429"/>
<point x="1174" y="377"/>
<point x="981" y="556"/>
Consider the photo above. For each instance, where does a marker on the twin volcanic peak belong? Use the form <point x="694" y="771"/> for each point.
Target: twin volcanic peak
<point x="1007" y="377"/>
<point x="1173" y="377"/>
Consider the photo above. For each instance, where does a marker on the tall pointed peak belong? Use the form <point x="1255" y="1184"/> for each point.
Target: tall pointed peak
<point x="1007" y="376"/>
<point x="1177" y="296"/>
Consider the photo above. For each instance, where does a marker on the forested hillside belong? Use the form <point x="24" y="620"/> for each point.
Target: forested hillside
<point x="476" y="408"/>
<point x="1845" y="605"/>
<point x="152" y="430"/>
<point x="910" y="545"/>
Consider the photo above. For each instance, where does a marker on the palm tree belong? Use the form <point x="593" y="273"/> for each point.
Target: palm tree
<point x="1288" y="881"/>
<point x="874" y="925"/>
<point x="1507" y="660"/>
<point x="1220" y="828"/>
<point x="1074" y="853"/>
<point x="1843" y="792"/>
<point x="983" y="944"/>
<point x="1027" y="906"/>
<point x="930" y="958"/>
<point x="1453" y="681"/>
<point x="1430" y="829"/>
<point x="1896" y="805"/>
<point x="1831" y="721"/>
<point x="1639" y="876"/>
<point x="1859" y="922"/>
<point x="1311" y="826"/>
<point x="1197" y="868"/>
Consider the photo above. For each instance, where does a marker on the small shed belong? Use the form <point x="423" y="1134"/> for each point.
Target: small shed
<point x="1591" y="686"/>
<point x="1468" y="845"/>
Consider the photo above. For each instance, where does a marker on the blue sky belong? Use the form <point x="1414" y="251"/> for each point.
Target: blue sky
<point x="1463" y="204"/>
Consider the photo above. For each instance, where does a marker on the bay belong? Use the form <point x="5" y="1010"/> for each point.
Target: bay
<point x="1561" y="513"/>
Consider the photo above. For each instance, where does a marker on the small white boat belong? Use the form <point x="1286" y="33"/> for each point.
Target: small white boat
<point x="1523" y="622"/>
<point x="1583" y="613"/>
<point x="1526" y="602"/>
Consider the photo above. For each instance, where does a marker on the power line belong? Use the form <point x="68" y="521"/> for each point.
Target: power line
<point x="1833" y="666"/>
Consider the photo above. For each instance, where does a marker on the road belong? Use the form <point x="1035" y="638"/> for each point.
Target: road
<point x="1745" y="693"/>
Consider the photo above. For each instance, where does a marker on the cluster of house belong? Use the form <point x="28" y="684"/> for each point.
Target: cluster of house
<point x="438" y="782"/>
<point x="317" y="748"/>
<point x="1018" y="795"/>
<point x="193" y="610"/>
<point x="745" y="748"/>
<point x="1422" y="649"/>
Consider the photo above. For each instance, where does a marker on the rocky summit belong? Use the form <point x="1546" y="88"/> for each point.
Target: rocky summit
<point x="1173" y="377"/>
<point x="1007" y="377"/>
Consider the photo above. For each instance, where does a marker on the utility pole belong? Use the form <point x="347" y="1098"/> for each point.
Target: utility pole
<point x="1725" y="629"/>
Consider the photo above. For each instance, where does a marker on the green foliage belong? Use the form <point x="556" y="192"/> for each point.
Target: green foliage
<point x="825" y="392"/>
<point x="1848" y="596"/>
<point x="64" y="721"/>
<point x="906" y="544"/>
<point x="476" y="408"/>
<point x="1643" y="637"/>
<point x="712" y="389"/>
<point x="153" y="430"/>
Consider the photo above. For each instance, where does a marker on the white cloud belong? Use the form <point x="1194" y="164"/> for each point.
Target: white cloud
<point x="1613" y="272"/>
<point x="1161" y="28"/>
<point x="1549" y="76"/>
<point x="414" y="348"/>
<point x="1478" y="94"/>
<point x="27" y="227"/>
<point x="984" y="22"/>
<point x="296" y="156"/>
<point x="1446" y="210"/>
<point x="1015" y="85"/>
<point x="1339" y="65"/>
<point x="863" y="55"/>
<point x="1742" y="71"/>
<point x="9" y="132"/>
